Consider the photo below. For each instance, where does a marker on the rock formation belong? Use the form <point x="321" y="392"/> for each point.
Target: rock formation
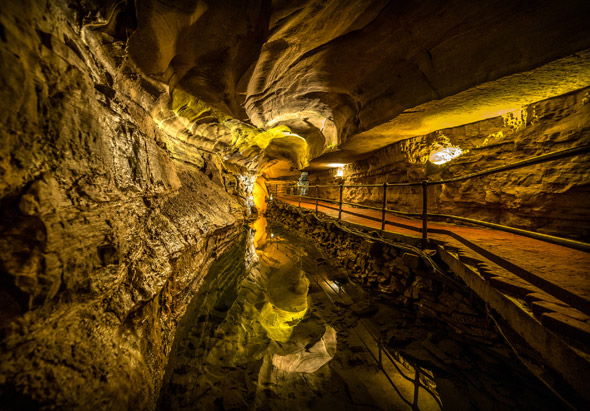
<point x="108" y="223"/>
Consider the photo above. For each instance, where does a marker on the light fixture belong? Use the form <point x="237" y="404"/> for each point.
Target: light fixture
<point x="444" y="154"/>
<point x="340" y="172"/>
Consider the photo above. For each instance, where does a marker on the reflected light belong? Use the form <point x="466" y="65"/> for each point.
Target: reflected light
<point x="336" y="165"/>
<point x="445" y="154"/>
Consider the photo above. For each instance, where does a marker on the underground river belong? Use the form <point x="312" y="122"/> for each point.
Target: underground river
<point x="277" y="326"/>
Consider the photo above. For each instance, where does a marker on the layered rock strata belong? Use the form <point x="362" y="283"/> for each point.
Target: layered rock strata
<point x="331" y="69"/>
<point x="108" y="222"/>
<point x="550" y="197"/>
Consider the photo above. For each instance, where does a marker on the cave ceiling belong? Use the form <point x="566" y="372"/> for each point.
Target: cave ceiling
<point x="354" y="76"/>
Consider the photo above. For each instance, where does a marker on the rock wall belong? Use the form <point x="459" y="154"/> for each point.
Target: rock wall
<point x="550" y="197"/>
<point x="107" y="226"/>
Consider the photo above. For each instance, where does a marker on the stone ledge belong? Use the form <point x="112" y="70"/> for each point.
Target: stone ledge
<point x="567" y="325"/>
<point x="541" y="307"/>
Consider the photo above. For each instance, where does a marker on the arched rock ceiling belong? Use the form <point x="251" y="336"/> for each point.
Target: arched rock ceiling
<point x="341" y="73"/>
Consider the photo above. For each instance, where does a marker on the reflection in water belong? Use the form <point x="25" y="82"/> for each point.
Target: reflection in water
<point x="283" y="342"/>
<point x="278" y="330"/>
<point x="286" y="292"/>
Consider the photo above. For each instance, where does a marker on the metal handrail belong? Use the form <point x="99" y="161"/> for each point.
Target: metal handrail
<point x="579" y="245"/>
<point x="418" y="370"/>
<point x="556" y="155"/>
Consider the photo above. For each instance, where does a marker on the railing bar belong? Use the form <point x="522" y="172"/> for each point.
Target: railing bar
<point x="394" y="361"/>
<point x="416" y="388"/>
<point x="555" y="290"/>
<point x="388" y="354"/>
<point x="424" y="213"/>
<point x="384" y="373"/>
<point x="362" y="216"/>
<point x="362" y="185"/>
<point x="331" y="208"/>
<point x="416" y="184"/>
<point x="578" y="245"/>
<point x="556" y="155"/>
<point x="383" y="206"/>
<point x="388" y="210"/>
<point x="565" y="242"/>
<point x="362" y="206"/>
<point x="340" y="203"/>
<point x="316" y="198"/>
<point x="407" y="227"/>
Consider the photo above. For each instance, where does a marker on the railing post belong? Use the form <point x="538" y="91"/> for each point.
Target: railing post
<point x="416" y="388"/>
<point x="424" y="213"/>
<point x="380" y="344"/>
<point x="340" y="204"/>
<point x="316" y="198"/>
<point x="384" y="206"/>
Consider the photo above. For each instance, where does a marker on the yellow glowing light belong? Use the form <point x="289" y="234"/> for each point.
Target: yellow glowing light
<point x="279" y="323"/>
<point x="336" y="165"/>
<point x="445" y="154"/>
<point x="340" y="172"/>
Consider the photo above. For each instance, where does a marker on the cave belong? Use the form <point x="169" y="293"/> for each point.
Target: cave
<point x="312" y="204"/>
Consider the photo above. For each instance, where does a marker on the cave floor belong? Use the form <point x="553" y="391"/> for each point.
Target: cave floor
<point x="561" y="276"/>
<point x="298" y="336"/>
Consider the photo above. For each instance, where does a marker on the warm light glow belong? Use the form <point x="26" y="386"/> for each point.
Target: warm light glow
<point x="445" y="154"/>
<point x="340" y="172"/>
<point x="278" y="323"/>
<point x="336" y="165"/>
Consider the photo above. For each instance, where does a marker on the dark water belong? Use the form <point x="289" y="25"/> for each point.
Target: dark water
<point x="276" y="325"/>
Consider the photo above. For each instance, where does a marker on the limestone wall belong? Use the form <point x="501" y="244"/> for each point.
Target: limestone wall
<point x="550" y="198"/>
<point x="105" y="230"/>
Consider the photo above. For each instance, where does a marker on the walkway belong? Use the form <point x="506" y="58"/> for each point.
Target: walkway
<point x="552" y="279"/>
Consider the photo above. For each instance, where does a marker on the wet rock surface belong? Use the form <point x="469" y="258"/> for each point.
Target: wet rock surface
<point x="119" y="188"/>
<point x="106" y="233"/>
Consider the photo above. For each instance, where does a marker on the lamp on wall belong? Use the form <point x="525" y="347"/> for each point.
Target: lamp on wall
<point x="339" y="169"/>
<point x="445" y="154"/>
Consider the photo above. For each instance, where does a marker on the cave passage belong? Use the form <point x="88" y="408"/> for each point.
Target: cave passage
<point x="141" y="142"/>
<point x="298" y="335"/>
